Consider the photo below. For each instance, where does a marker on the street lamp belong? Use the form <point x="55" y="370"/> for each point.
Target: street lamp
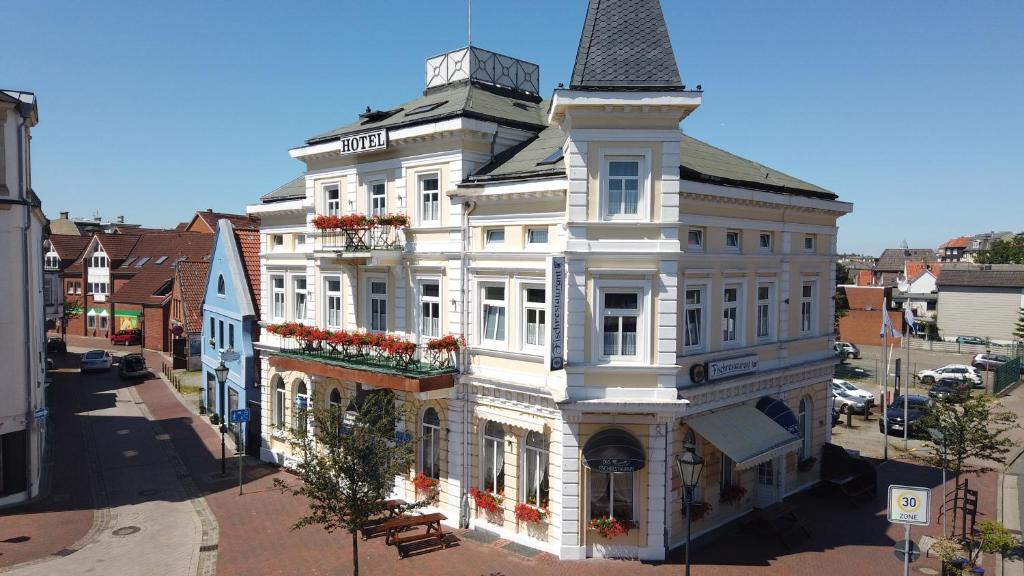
<point x="690" y="465"/>
<point x="222" y="376"/>
<point x="940" y="439"/>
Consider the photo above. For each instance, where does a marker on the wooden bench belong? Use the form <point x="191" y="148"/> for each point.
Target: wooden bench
<point x="778" y="520"/>
<point x="396" y="526"/>
<point x="393" y="510"/>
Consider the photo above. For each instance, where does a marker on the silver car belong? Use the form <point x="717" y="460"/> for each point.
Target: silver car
<point x="96" y="361"/>
<point x="847" y="403"/>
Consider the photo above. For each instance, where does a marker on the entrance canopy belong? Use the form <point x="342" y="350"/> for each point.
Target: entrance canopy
<point x="745" y="435"/>
<point x="614" y="450"/>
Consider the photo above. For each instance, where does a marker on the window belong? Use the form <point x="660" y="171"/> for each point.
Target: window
<point x="764" y="311"/>
<point x="300" y="293"/>
<point x="277" y="286"/>
<point x="430" y="199"/>
<point x="301" y="408"/>
<point x="694" y="318"/>
<point x="99" y="259"/>
<point x="430" y="309"/>
<point x="160" y="260"/>
<point x="535" y="453"/>
<point x="334" y="403"/>
<point x="493" y="465"/>
<point x="75" y="287"/>
<point x="611" y="495"/>
<point x="51" y="261"/>
<point x="430" y="444"/>
<point x="280" y="399"/>
<point x="495" y="237"/>
<point x="732" y="240"/>
<point x="277" y="241"/>
<point x="300" y="239"/>
<point x="537" y="236"/>
<point x="97" y="287"/>
<point x="141" y="261"/>
<point x="90" y="321"/>
<point x="103" y="320"/>
<point x="727" y="472"/>
<point x="535" y="317"/>
<point x="623" y="187"/>
<point x="332" y="200"/>
<point x="213" y="329"/>
<point x="333" y="301"/>
<point x="807" y="308"/>
<point x="805" y="427"/>
<point x="620" y="316"/>
<point x="231" y="336"/>
<point x="378" y="198"/>
<point x="220" y="334"/>
<point x="494" y="314"/>
<point x="426" y="108"/>
<point x="378" y="306"/>
<point x="809" y="243"/>
<point x="764" y="241"/>
<point x="695" y="239"/>
<point x="730" y="314"/>
<point x="220" y="285"/>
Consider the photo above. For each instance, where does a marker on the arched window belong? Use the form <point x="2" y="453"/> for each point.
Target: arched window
<point x="804" y="417"/>
<point x="613" y="457"/>
<point x="536" y="469"/>
<point x="280" y="399"/>
<point x="493" y="465"/>
<point x="220" y="285"/>
<point x="301" y="406"/>
<point x="335" y="399"/>
<point x="430" y="444"/>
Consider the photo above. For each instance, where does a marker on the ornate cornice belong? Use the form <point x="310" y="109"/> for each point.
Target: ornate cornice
<point x="717" y="395"/>
<point x="747" y="202"/>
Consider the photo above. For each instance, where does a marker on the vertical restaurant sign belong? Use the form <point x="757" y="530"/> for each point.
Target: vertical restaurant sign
<point x="556" y="291"/>
<point x="365" y="142"/>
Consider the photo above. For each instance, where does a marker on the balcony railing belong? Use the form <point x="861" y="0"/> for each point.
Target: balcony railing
<point x="378" y="237"/>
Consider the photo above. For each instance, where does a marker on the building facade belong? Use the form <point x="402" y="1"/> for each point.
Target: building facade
<point x="982" y="300"/>
<point x="23" y="346"/>
<point x="623" y="290"/>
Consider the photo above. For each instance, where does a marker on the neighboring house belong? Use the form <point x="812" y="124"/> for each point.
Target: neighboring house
<point x="206" y="221"/>
<point x="954" y="250"/>
<point x="186" y="321"/>
<point x="23" y="389"/>
<point x="230" y="316"/>
<point x="982" y="300"/>
<point x="981" y="242"/>
<point x="916" y="288"/>
<point x="862" y="322"/>
<point x="892" y="263"/>
<point x="59" y="252"/>
<point x="92" y="273"/>
<point x="64" y="226"/>
<point x="624" y="290"/>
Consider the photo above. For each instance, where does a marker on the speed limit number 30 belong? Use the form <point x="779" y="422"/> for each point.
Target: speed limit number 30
<point x="908" y="505"/>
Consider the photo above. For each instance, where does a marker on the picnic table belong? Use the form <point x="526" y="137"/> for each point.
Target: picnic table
<point x="402" y="525"/>
<point x="393" y="509"/>
<point x="779" y="519"/>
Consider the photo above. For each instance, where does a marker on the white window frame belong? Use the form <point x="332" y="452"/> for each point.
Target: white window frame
<point x="90" y="320"/>
<point x="481" y="291"/>
<point x="422" y="298"/>
<point x="428" y="450"/>
<point x="810" y="302"/>
<point x="484" y="439"/>
<point x="771" y="241"/>
<point x="280" y="415"/>
<point x="611" y="495"/>
<point x="643" y="289"/>
<point x="705" y="289"/>
<point x="739" y="240"/>
<point x="529" y="236"/>
<point x="420" y="179"/>
<point x="274" y="246"/>
<point x="814" y="243"/>
<point x="331" y="207"/>
<point x="739" y="321"/>
<point x="370" y="183"/>
<point x="328" y="295"/>
<point x="726" y="472"/>
<point x="274" y="292"/>
<point x="534" y="484"/>
<point x="296" y="293"/>
<point x="700" y="245"/>
<point x="51" y="261"/>
<point x="495" y="243"/>
<point x="771" y="312"/>
<point x="643" y="157"/>
<point x="99" y="259"/>
<point x="526" y="306"/>
<point x="369" y="299"/>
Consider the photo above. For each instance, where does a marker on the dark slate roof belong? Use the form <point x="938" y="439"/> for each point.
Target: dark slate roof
<point x="463" y="99"/>
<point x="528" y="159"/>
<point x="289" y="191"/>
<point x="893" y="259"/>
<point x="986" y="276"/>
<point x="625" y="45"/>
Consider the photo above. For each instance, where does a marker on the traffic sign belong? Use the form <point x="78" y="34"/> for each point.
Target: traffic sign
<point x="901" y="545"/>
<point x="41" y="413"/>
<point x="229" y="355"/>
<point x="908" y="505"/>
<point x="241" y="415"/>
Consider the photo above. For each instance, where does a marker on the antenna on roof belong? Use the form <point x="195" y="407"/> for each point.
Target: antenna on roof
<point x="469" y="22"/>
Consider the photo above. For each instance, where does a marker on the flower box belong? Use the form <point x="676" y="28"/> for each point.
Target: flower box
<point x="698" y="510"/>
<point x="487" y="500"/>
<point x="529" y="514"/>
<point x="426" y="488"/>
<point x="610" y="527"/>
<point x="731" y="493"/>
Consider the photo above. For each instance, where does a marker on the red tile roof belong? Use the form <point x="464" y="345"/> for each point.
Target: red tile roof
<point x="864" y="297"/>
<point x="191" y="278"/>
<point x="210" y="218"/>
<point x="117" y="246"/>
<point x="959" y="242"/>
<point x="68" y="247"/>
<point x="249" y="248"/>
<point x="155" y="272"/>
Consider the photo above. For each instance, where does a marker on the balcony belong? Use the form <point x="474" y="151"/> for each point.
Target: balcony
<point x="360" y="234"/>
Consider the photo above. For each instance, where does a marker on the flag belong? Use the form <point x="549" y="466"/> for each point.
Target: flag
<point x="887" y="327"/>
<point x="908" y="318"/>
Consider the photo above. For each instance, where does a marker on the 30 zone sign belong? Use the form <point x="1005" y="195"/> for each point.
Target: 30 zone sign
<point x="908" y="505"/>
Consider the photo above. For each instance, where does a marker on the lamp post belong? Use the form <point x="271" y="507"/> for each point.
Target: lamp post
<point x="938" y="438"/>
<point x="221" y="372"/>
<point x="690" y="465"/>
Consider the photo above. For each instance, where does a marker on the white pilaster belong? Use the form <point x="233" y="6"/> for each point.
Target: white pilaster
<point x="571" y="543"/>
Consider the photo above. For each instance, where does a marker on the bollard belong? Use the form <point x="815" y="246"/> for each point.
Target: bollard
<point x="849" y="418"/>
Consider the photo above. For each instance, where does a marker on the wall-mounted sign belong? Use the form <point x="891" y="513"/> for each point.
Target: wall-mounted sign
<point x="556" y="291"/>
<point x="698" y="373"/>
<point x="365" y="142"/>
<point x="720" y="369"/>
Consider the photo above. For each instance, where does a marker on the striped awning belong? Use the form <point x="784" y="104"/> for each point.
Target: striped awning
<point x="745" y="435"/>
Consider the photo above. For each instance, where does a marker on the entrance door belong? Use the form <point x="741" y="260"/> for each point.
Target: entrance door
<point x="252" y="430"/>
<point x="766" y="489"/>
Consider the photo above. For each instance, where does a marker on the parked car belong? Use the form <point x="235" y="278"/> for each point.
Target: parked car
<point x="127" y="337"/>
<point x="917" y="407"/>
<point x="835" y="416"/>
<point x="846" y="402"/>
<point x="847" y="350"/>
<point x="132" y="366"/>
<point x="96" y="361"/>
<point x="989" y="361"/>
<point x="854" y="391"/>
<point x="957" y="371"/>
<point x="970" y="340"/>
<point x="950" y="389"/>
<point x="55" y="345"/>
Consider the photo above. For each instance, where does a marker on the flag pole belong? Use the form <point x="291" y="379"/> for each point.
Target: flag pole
<point x="885" y="383"/>
<point x="906" y="391"/>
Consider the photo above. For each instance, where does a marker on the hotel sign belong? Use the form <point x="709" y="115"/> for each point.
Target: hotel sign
<point x="721" y="369"/>
<point x="556" y="289"/>
<point x="365" y="142"/>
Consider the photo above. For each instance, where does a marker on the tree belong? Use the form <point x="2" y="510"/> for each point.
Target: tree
<point x="73" y="308"/>
<point x="843" y="275"/>
<point x="1018" y="331"/>
<point x="347" y="469"/>
<point x="973" y="433"/>
<point x="1004" y="252"/>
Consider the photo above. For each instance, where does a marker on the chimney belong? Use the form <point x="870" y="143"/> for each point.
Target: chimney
<point x="63" y="215"/>
<point x="210" y="210"/>
<point x="120" y="219"/>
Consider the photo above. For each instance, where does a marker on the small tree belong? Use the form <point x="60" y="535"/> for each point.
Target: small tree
<point x="975" y="430"/>
<point x="1018" y="330"/>
<point x="73" y="308"/>
<point x="347" y="469"/>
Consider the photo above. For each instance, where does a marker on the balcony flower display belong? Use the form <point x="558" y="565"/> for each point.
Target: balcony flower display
<point x="610" y="527"/>
<point x="487" y="500"/>
<point x="530" y="514"/>
<point x="393" y="220"/>
<point x="731" y="493"/>
<point x="447" y="343"/>
<point x="425" y="487"/>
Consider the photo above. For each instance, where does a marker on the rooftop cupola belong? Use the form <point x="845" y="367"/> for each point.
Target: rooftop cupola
<point x="625" y="46"/>
<point x="479" y="65"/>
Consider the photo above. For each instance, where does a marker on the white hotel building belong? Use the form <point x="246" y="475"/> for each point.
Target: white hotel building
<point x="622" y="288"/>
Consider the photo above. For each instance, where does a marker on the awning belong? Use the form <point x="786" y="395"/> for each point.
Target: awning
<point x="130" y="313"/>
<point x="779" y="413"/>
<point x="510" y="418"/>
<point x="96" y="311"/>
<point x="745" y="435"/>
<point x="614" y="450"/>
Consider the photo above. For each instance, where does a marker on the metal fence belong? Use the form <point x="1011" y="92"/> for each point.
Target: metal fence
<point x="1006" y="375"/>
<point x="958" y="348"/>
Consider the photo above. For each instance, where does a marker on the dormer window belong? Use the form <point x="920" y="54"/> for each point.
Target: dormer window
<point x="52" y="261"/>
<point x="99" y="259"/>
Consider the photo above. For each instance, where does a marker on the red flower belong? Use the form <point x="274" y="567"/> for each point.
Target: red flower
<point x="447" y="343"/>
<point x="424" y="483"/>
<point x="610" y="527"/>
<point x="526" y="513"/>
<point x="487" y="500"/>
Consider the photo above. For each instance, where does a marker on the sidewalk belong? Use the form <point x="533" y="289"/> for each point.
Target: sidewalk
<point x="1011" y="482"/>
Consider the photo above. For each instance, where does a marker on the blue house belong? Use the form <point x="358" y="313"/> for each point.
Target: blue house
<point x="230" y="325"/>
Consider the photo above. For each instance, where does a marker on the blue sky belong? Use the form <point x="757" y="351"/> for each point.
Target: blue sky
<point x="909" y="109"/>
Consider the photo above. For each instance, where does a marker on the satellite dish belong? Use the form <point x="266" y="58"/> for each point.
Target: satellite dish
<point x="902" y="284"/>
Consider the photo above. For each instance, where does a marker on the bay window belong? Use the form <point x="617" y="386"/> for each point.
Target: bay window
<point x="623" y="187"/>
<point x="612" y="495"/>
<point x="620" y="316"/>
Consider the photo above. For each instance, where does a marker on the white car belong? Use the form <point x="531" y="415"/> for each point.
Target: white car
<point x="96" y="361"/>
<point x="954" y="371"/>
<point x="854" y="391"/>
